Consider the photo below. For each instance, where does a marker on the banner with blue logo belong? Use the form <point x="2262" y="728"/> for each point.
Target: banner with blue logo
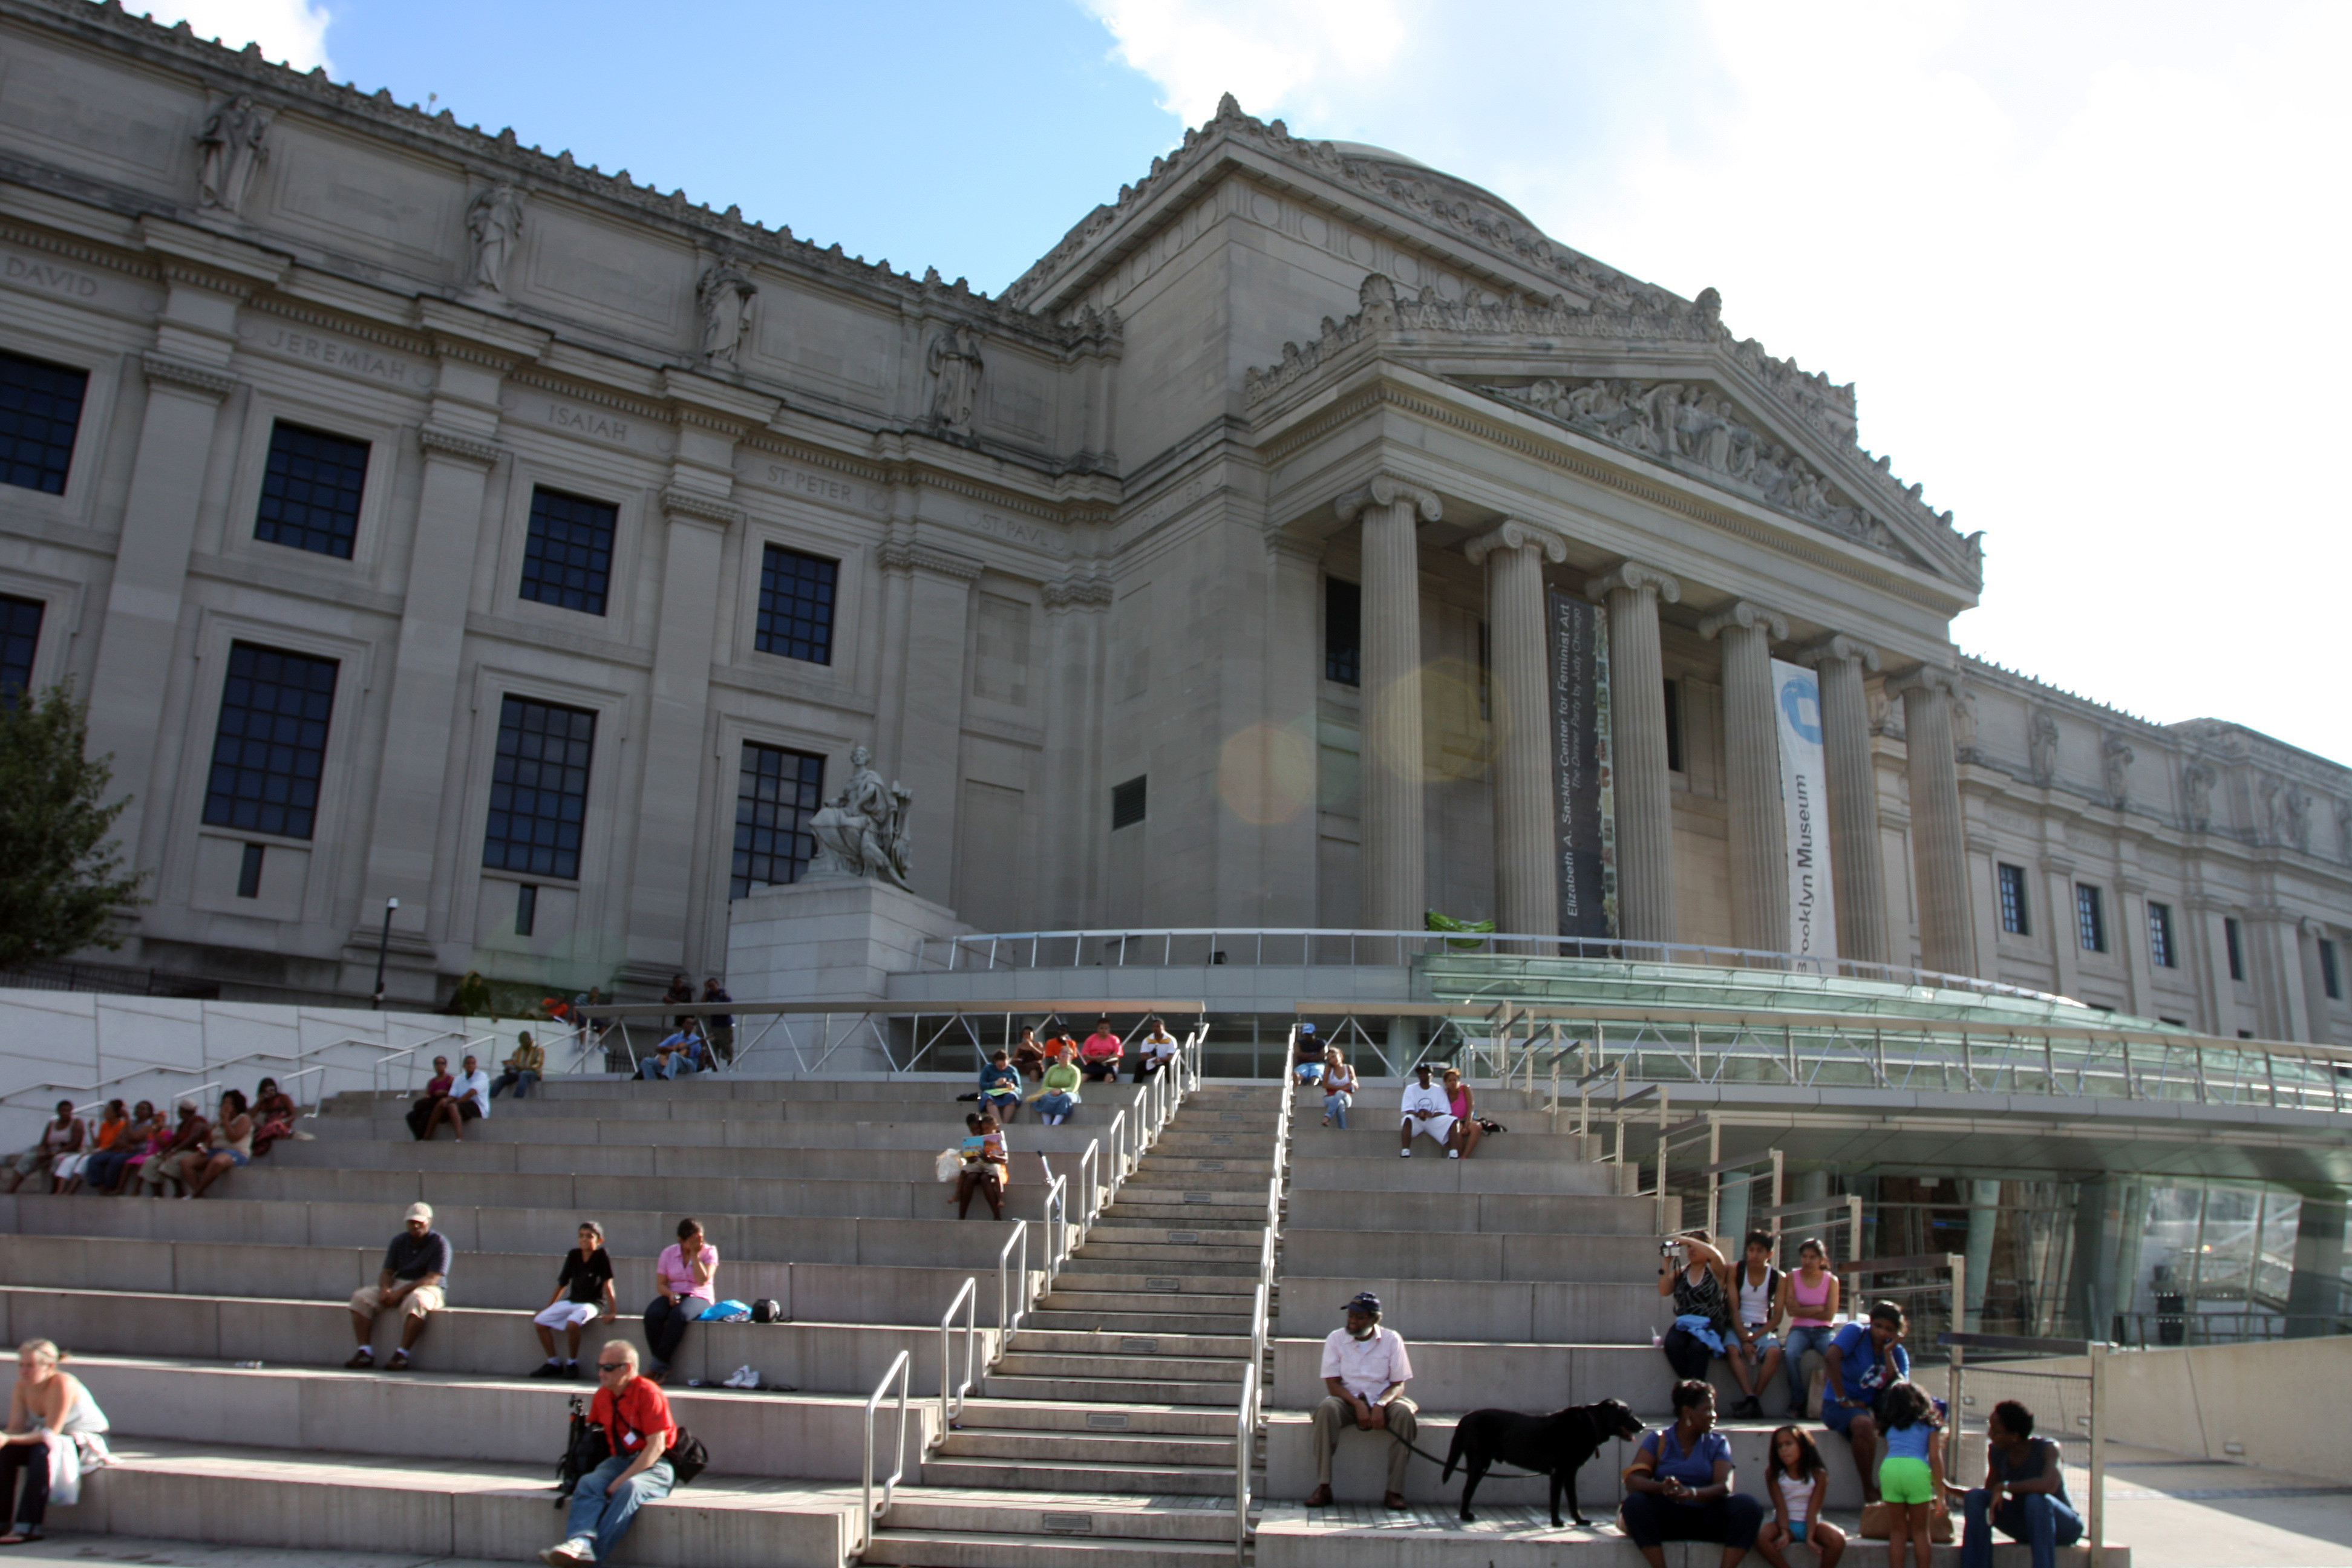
<point x="1812" y="905"/>
<point x="1585" y="826"/>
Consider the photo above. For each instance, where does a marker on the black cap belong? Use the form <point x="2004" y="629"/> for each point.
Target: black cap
<point x="1364" y="1302"/>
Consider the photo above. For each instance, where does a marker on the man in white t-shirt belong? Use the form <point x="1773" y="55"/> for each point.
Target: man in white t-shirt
<point x="1427" y="1112"/>
<point x="1159" y="1048"/>
<point x="1365" y="1370"/>
<point x="468" y="1100"/>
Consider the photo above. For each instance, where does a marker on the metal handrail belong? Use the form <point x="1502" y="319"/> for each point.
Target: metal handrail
<point x="951" y="1403"/>
<point x="1118" y="944"/>
<point x="899" y="1367"/>
<point x="1262" y="1305"/>
<point x="1245" y="1438"/>
<point x="1089" y="1172"/>
<point x="253" y="1056"/>
<point x="1057" y="1223"/>
<point x="375" y="1068"/>
<point x="1011" y="1305"/>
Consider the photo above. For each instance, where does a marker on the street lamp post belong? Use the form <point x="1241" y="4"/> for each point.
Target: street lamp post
<point x="383" y="949"/>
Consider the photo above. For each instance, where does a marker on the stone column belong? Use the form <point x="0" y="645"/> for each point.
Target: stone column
<point x="1940" y="848"/>
<point x="1527" y="877"/>
<point x="2066" y="929"/>
<point x="1637" y="729"/>
<point x="139" y="634"/>
<point x="938" y="587"/>
<point x="2219" y="991"/>
<point x="1751" y="760"/>
<point x="1394" y="879"/>
<point x="1855" y="860"/>
<point x="2274" y="963"/>
<point x="2139" y="963"/>
<point x="1076" y="818"/>
<point x="2318" y="1028"/>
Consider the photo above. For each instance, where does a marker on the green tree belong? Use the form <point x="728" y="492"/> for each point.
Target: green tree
<point x="60" y="876"/>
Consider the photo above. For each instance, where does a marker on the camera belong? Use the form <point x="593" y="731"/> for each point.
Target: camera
<point x="1675" y="1250"/>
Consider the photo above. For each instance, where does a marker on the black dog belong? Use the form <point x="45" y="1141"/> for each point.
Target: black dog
<point x="1556" y="1446"/>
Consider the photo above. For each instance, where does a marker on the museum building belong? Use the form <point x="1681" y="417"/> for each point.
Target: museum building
<point x="1306" y="541"/>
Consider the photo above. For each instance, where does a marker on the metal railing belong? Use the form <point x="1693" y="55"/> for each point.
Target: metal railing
<point x="951" y="1393"/>
<point x="210" y="1072"/>
<point x="1325" y="947"/>
<point x="1251" y="1413"/>
<point x="1013" y="1296"/>
<point x="1244" y="1440"/>
<point x="898" y="1372"/>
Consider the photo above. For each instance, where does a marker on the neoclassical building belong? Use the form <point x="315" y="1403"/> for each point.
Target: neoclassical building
<point x="1306" y="541"/>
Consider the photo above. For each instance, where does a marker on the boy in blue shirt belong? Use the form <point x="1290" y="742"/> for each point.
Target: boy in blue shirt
<point x="1862" y="1359"/>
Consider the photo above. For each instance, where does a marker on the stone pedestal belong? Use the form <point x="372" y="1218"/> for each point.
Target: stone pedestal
<point x="837" y="938"/>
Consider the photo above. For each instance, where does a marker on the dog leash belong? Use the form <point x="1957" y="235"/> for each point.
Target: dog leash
<point x="1433" y="1459"/>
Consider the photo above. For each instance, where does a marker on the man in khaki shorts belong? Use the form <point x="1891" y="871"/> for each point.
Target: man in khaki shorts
<point x="415" y="1266"/>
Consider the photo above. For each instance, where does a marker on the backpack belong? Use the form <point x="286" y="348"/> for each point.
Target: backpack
<point x="767" y="1310"/>
<point x="585" y="1447"/>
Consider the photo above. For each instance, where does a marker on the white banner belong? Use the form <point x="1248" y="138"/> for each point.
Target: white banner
<point x="1812" y="906"/>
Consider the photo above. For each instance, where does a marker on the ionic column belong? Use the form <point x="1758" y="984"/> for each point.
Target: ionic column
<point x="1637" y="729"/>
<point x="1394" y="884"/>
<point x="1526" y="879"/>
<point x="1751" y="753"/>
<point x="1855" y="860"/>
<point x="1939" y="846"/>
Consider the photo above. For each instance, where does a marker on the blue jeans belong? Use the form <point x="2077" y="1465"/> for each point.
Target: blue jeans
<point x="1335" y="1106"/>
<point x="1055" y="1104"/>
<point x="605" y="1520"/>
<point x="2039" y="1519"/>
<point x="519" y="1080"/>
<point x="1799" y="1342"/>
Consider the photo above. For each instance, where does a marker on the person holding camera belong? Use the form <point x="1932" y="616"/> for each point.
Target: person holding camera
<point x="1698" y="1277"/>
<point x="634" y="1414"/>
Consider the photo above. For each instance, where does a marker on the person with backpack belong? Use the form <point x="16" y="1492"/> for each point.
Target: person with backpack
<point x="1757" y="1284"/>
<point x="634" y="1414"/>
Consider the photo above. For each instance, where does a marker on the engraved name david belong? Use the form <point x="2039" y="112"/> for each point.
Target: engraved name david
<point x="48" y="276"/>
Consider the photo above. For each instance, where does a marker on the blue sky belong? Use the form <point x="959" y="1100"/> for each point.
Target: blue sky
<point x="2082" y="259"/>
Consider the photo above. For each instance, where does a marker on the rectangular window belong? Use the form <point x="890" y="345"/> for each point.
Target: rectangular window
<point x="40" y="409"/>
<point x="310" y="491"/>
<point x="2230" y="940"/>
<point x="2328" y="979"/>
<point x="270" y="748"/>
<point x="2012" y="900"/>
<point x="539" y="792"/>
<point x="20" y="639"/>
<point x="1127" y="804"/>
<point x="2159" y="936"/>
<point x="775" y="794"/>
<point x="2090" y="918"/>
<point x="249" y="872"/>
<point x="569" y="558"/>
<point x="1343" y="632"/>
<point x="796" y="604"/>
<point x="526" y="908"/>
<point x="1674" y="726"/>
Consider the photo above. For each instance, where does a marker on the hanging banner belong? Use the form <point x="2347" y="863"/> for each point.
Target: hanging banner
<point x="1586" y="822"/>
<point x="1812" y="905"/>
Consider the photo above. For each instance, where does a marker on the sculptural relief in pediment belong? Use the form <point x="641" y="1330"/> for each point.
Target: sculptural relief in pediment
<point x="1696" y="429"/>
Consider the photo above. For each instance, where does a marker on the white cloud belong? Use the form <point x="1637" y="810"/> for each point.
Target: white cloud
<point x="2078" y="259"/>
<point x="293" y="31"/>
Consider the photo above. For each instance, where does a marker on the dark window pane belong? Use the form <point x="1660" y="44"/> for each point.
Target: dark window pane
<point x="1674" y="726"/>
<point x="2237" y="952"/>
<point x="40" y="408"/>
<point x="2090" y="919"/>
<point x="2159" y="935"/>
<point x="568" y="560"/>
<point x="2329" y="980"/>
<point x="20" y="638"/>
<point x="2013" y="900"/>
<point x="1127" y="804"/>
<point x="796" y="604"/>
<point x="526" y="908"/>
<point x="1343" y="632"/>
<point x="311" y="492"/>
<point x="775" y="794"/>
<point x="249" y="872"/>
<point x="269" y="751"/>
<point x="539" y="789"/>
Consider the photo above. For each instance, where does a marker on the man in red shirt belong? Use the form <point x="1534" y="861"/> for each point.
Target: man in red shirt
<point x="634" y="1414"/>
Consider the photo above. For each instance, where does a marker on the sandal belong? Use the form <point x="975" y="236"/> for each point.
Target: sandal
<point x="399" y="1362"/>
<point x="365" y="1359"/>
<point x="21" y="1537"/>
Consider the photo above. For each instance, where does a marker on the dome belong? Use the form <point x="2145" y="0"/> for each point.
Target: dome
<point x="1381" y="157"/>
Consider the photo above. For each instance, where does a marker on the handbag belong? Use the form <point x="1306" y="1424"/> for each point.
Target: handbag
<point x="585" y="1447"/>
<point x="687" y="1456"/>
<point x="949" y="1164"/>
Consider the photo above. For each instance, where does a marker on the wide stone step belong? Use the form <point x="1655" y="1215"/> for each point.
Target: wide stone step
<point x="1037" y="1416"/>
<point x="1175" y="1243"/>
<point x="639" y="1159"/>
<point x="1023" y="1475"/>
<point x="1234" y="1192"/>
<point x="918" y="1196"/>
<point x="430" y="1508"/>
<point x="1108" y="1390"/>
<point x="1059" y="1516"/>
<point x="946" y="1547"/>
<point x="1118" y="1260"/>
<point x="1104" y="1320"/>
<point x="1163" y="1161"/>
<point x="1086" y="1448"/>
<point x="1049" y="1342"/>
<point x="1138" y="1365"/>
<point x="1102" y="1283"/>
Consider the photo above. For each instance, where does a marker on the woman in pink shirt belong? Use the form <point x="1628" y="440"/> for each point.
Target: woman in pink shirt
<point x="688" y="1273"/>
<point x="1098" y="1058"/>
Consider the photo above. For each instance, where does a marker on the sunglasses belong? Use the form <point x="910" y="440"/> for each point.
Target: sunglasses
<point x="612" y="1365"/>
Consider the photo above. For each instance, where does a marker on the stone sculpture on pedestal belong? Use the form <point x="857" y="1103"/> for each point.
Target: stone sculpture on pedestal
<point x="862" y="831"/>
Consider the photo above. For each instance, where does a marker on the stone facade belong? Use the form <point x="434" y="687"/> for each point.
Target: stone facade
<point x="1038" y="553"/>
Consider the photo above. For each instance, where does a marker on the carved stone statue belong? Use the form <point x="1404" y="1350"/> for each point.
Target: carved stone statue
<point x="954" y="359"/>
<point x="1964" y="724"/>
<point x="2042" y="747"/>
<point x="2116" y="752"/>
<point x="862" y="831"/>
<point x="495" y="220"/>
<point x="2197" y="786"/>
<point x="233" y="150"/>
<point x="2298" y="818"/>
<point x="727" y="296"/>
<point x="2273" y="814"/>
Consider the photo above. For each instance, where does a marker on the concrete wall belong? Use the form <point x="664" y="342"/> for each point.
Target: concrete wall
<point x="2275" y="1401"/>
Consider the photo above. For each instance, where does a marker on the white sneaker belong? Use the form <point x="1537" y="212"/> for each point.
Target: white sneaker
<point x="1404" y="1153"/>
<point x="742" y="1377"/>
<point x="569" y="1553"/>
<point x="1453" y="1153"/>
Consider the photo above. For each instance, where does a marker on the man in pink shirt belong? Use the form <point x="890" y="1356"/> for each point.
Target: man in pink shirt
<point x="1098" y="1058"/>
<point x="688" y="1274"/>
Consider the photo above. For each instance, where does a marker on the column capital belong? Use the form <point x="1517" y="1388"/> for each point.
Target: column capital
<point x="1387" y="489"/>
<point x="205" y="381"/>
<point x="1837" y="646"/>
<point x="1076" y="592"/>
<point x="1517" y="533"/>
<point x="436" y="442"/>
<point x="898" y="555"/>
<point x="678" y="503"/>
<point x="1924" y="678"/>
<point x="1632" y="576"/>
<point x="1747" y="616"/>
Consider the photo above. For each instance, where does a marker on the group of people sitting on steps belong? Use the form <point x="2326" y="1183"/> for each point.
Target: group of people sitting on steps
<point x="1681" y="1484"/>
<point x="137" y="1152"/>
<point x="1048" y="1074"/>
<point x="1438" y="1105"/>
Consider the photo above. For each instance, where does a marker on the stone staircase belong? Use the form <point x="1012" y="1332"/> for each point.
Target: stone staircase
<point x="1105" y="1432"/>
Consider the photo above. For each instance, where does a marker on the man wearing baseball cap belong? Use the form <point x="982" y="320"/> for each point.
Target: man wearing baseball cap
<point x="415" y="1267"/>
<point x="1365" y="1370"/>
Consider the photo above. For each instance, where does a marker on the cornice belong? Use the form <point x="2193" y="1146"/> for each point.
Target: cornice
<point x="1747" y="616"/>
<point x="1518" y="534"/>
<point x="898" y="555"/>
<point x="1077" y="592"/>
<point x="349" y="326"/>
<point x="163" y="371"/>
<point x="676" y="502"/>
<point x="439" y="443"/>
<point x="33" y="236"/>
